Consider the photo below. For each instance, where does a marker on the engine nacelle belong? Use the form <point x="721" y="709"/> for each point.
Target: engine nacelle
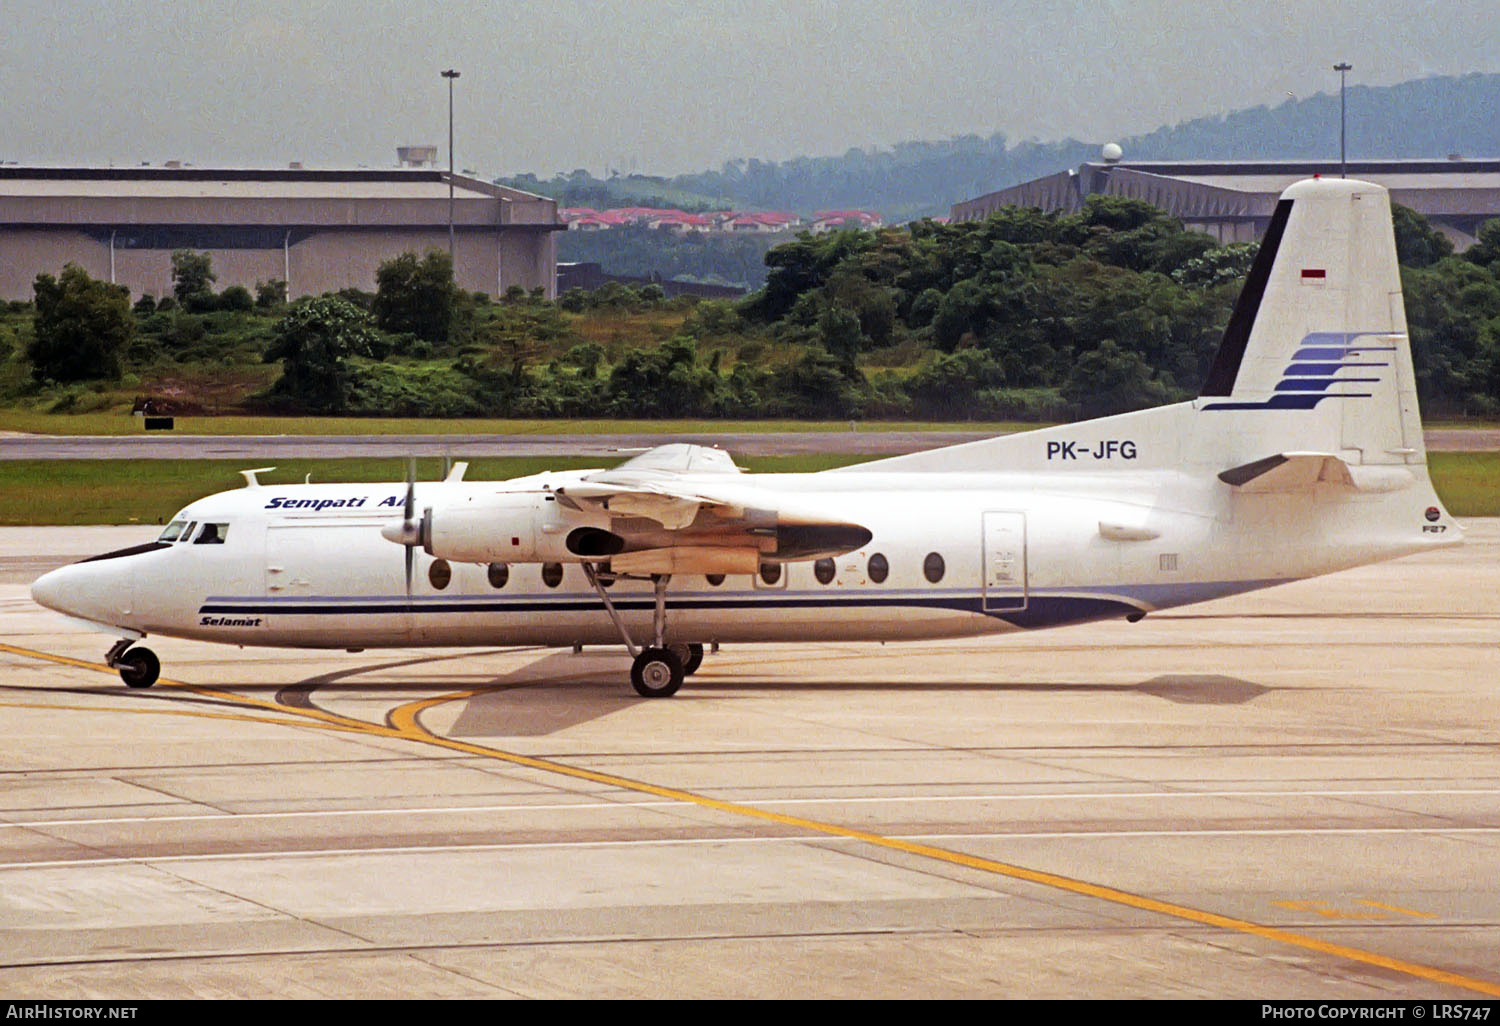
<point x="515" y="527"/>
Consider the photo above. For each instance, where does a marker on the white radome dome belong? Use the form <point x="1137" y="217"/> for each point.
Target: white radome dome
<point x="1112" y="153"/>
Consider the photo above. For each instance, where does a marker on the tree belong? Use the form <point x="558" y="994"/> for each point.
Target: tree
<point x="801" y="266"/>
<point x="838" y="330"/>
<point x="192" y="277"/>
<point x="314" y="340"/>
<point x="270" y="293"/>
<point x="587" y="357"/>
<point x="416" y="295"/>
<point x="1486" y="251"/>
<point x="1111" y="380"/>
<point x="81" y="327"/>
<point x="1217" y="266"/>
<point x="1418" y="244"/>
<point x="947" y="387"/>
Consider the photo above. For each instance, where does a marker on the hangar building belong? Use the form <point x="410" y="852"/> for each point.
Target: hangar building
<point x="317" y="230"/>
<point x="1233" y="201"/>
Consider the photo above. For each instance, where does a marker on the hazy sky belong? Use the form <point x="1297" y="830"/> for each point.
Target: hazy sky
<point x="666" y="87"/>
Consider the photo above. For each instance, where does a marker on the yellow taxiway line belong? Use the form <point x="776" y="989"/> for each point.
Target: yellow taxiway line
<point x="404" y="723"/>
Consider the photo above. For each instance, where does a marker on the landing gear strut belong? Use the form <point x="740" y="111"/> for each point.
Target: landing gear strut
<point x="139" y="667"/>
<point x="659" y="669"/>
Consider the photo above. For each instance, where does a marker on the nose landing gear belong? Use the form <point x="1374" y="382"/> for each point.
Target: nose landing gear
<point x="138" y="668"/>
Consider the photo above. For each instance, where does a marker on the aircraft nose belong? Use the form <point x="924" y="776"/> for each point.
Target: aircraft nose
<point x="51" y="590"/>
<point x="88" y="591"/>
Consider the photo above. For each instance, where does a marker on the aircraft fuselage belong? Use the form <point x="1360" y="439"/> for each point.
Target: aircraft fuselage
<point x="949" y="556"/>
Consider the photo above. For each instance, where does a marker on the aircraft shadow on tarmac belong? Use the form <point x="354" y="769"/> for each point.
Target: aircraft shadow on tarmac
<point x="562" y="690"/>
<point x="558" y="694"/>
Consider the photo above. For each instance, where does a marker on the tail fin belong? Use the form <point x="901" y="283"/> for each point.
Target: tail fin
<point x="1320" y="325"/>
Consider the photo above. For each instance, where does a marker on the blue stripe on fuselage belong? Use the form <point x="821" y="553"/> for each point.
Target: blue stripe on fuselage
<point x="1044" y="608"/>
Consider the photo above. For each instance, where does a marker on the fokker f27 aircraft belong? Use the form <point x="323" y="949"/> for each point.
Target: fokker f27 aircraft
<point x="1303" y="455"/>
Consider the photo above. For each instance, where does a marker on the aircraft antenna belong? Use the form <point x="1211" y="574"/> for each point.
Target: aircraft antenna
<point x="251" y="481"/>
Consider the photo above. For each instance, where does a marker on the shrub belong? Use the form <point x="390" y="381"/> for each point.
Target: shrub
<point x="236" y="298"/>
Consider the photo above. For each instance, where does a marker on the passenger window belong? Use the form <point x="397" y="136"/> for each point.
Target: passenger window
<point x="933" y="567"/>
<point x="715" y="580"/>
<point x="499" y="574"/>
<point x="552" y="574"/>
<point x="440" y="574"/>
<point x="770" y="572"/>
<point x="878" y="568"/>
<point x="173" y="531"/>
<point x="823" y="571"/>
<point x="212" y="534"/>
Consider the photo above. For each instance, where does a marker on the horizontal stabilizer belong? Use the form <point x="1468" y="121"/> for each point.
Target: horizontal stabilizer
<point x="1288" y="472"/>
<point x="1297" y="471"/>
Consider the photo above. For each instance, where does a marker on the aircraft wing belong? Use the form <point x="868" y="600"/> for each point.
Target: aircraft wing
<point x="672" y="504"/>
<point x="676" y="503"/>
<point x="709" y="504"/>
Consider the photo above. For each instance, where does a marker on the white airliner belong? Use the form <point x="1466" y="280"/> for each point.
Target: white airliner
<point x="1303" y="455"/>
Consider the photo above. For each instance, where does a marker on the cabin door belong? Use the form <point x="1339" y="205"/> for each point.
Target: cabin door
<point x="1004" y="561"/>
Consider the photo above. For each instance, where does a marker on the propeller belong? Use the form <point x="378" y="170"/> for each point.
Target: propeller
<point x="411" y="531"/>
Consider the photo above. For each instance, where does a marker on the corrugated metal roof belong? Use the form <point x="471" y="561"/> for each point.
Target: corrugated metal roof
<point x="1209" y="190"/>
<point x="1409" y="180"/>
<point x="250" y="189"/>
<point x="235" y="183"/>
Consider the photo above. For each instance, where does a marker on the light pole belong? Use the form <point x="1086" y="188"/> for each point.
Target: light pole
<point x="450" y="75"/>
<point x="1343" y="68"/>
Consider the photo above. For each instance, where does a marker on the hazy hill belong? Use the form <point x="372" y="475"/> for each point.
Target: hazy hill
<point x="1430" y="117"/>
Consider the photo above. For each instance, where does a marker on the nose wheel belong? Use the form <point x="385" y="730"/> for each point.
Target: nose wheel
<point x="138" y="667"/>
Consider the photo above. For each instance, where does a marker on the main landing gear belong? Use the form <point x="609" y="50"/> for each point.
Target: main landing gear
<point x="659" y="669"/>
<point x="139" y="667"/>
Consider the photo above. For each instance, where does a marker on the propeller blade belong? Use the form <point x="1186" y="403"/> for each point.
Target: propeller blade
<point x="411" y="489"/>
<point x="406" y="513"/>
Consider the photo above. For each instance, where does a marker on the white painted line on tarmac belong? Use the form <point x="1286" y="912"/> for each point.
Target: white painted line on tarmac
<point x="397" y="811"/>
<point x="306" y="853"/>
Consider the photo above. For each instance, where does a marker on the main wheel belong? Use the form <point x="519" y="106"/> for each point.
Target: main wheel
<point x="690" y="656"/>
<point x="139" y="668"/>
<point x="657" y="673"/>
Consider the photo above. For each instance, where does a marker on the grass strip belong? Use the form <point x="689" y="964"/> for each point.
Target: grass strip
<point x="60" y="492"/>
<point x="108" y="423"/>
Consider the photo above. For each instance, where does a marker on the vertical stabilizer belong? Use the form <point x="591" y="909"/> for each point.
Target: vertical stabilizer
<point x="1320" y="326"/>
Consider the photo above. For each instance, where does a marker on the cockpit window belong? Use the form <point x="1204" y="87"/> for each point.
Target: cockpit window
<point x="173" y="531"/>
<point x="212" y="534"/>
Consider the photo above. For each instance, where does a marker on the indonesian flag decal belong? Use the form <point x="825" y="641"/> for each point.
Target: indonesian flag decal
<point x="1314" y="275"/>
